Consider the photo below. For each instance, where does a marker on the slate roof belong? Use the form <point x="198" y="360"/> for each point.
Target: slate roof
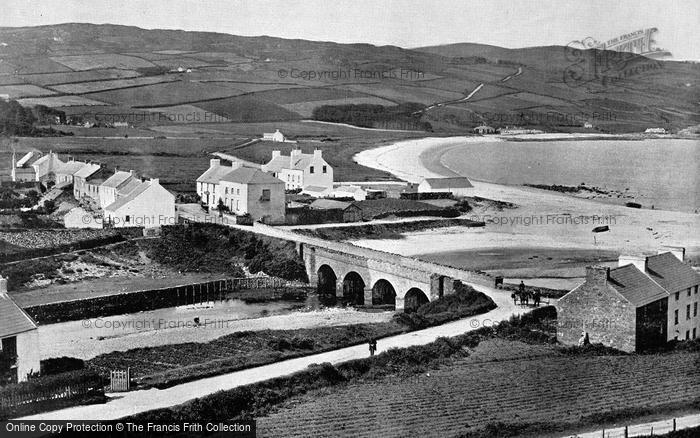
<point x="13" y="320"/>
<point x="247" y="175"/>
<point x="129" y="186"/>
<point x="449" y="183"/>
<point x="119" y="178"/>
<point x="635" y="286"/>
<point x="70" y="167"/>
<point x="329" y="204"/>
<point x="119" y="203"/>
<point x="301" y="162"/>
<point x="87" y="170"/>
<point x="672" y="274"/>
<point x="214" y="174"/>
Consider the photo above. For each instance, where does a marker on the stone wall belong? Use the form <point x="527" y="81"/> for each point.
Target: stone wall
<point x="595" y="307"/>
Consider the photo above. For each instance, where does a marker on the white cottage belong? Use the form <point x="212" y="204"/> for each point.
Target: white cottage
<point x="19" y="340"/>
<point x="298" y="170"/>
<point x="149" y="205"/>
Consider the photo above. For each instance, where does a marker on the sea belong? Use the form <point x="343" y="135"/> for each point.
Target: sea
<point x="663" y="173"/>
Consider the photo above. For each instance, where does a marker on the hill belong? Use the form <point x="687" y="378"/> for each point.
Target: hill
<point x="107" y="73"/>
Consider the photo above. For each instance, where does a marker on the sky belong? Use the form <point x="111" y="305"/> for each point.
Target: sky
<point x="405" y="23"/>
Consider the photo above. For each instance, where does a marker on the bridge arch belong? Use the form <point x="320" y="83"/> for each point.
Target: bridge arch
<point x="413" y="299"/>
<point x="326" y="280"/>
<point x="383" y="292"/>
<point x="354" y="289"/>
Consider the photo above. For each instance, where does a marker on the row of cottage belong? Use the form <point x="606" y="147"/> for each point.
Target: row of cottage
<point x="259" y="190"/>
<point x="121" y="198"/>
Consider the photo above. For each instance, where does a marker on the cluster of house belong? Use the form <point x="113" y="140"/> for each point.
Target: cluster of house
<point x="111" y="197"/>
<point x="246" y="188"/>
<point x="643" y="303"/>
<point x="508" y="130"/>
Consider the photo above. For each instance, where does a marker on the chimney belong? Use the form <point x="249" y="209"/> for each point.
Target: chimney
<point x="275" y="154"/>
<point x="3" y="287"/>
<point x="597" y="275"/>
<point x="317" y="153"/>
<point x="214" y="162"/>
<point x="155" y="181"/>
<point x="677" y="251"/>
<point x="639" y="261"/>
<point x="236" y="165"/>
<point x="132" y="173"/>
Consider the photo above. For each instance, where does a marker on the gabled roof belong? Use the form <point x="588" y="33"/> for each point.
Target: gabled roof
<point x="278" y="163"/>
<point x="300" y="162"/>
<point x="119" y="178"/>
<point x="672" y="274"/>
<point x="87" y="170"/>
<point x="329" y="204"/>
<point x="70" y="167"/>
<point x="214" y="174"/>
<point x="119" y="203"/>
<point x="247" y="175"/>
<point x="449" y="183"/>
<point x="13" y="320"/>
<point x="129" y="186"/>
<point x="635" y="286"/>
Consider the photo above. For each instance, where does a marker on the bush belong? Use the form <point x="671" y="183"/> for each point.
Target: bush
<point x="57" y="365"/>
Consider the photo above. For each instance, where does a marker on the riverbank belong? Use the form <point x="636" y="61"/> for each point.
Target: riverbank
<point x="542" y="219"/>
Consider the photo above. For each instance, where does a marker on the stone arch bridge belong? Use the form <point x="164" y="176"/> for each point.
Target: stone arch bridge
<point x="364" y="276"/>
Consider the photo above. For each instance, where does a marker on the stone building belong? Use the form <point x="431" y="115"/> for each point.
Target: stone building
<point x="644" y="302"/>
<point x="299" y="171"/>
<point x="251" y="191"/>
<point x="19" y="339"/>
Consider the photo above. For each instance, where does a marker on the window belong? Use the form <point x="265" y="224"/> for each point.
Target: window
<point x="325" y="169"/>
<point x="226" y="191"/>
<point x="689" y="291"/>
<point x="127" y="219"/>
<point x="678" y="295"/>
<point x="687" y="311"/>
<point x="694" y="333"/>
<point x="696" y="289"/>
<point x="238" y="191"/>
<point x="311" y="169"/>
<point x="266" y="197"/>
<point x="687" y="335"/>
<point x="695" y="309"/>
<point x="675" y="316"/>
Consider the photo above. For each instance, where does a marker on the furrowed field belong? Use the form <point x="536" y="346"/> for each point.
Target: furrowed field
<point x="502" y="381"/>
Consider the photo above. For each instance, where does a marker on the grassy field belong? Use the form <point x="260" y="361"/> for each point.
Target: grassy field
<point x="99" y="60"/>
<point x="16" y="91"/>
<point x="77" y="76"/>
<point x="500" y="382"/>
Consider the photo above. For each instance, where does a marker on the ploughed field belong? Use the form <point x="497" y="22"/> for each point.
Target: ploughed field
<point x="501" y="381"/>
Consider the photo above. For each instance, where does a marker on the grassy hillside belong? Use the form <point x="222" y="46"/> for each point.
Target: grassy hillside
<point x="95" y="69"/>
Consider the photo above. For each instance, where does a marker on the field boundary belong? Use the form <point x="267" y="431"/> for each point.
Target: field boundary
<point x="644" y="429"/>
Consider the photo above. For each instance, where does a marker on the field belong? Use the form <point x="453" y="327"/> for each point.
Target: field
<point x="305" y="109"/>
<point x="77" y="76"/>
<point x="97" y="60"/>
<point x="165" y="94"/>
<point x="90" y="87"/>
<point x="16" y="91"/>
<point x="59" y="101"/>
<point x="501" y="381"/>
<point x="248" y="109"/>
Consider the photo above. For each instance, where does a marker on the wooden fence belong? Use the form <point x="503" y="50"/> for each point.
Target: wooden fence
<point x="654" y="428"/>
<point x="120" y="380"/>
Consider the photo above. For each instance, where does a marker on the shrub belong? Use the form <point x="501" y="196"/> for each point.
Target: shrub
<point x="57" y="365"/>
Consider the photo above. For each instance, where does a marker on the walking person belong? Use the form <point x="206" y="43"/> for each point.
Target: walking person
<point x="522" y="293"/>
<point x="372" y="346"/>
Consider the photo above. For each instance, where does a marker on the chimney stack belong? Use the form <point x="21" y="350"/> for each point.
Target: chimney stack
<point x="214" y="162"/>
<point x="275" y="154"/>
<point x="639" y="261"/>
<point x="317" y="153"/>
<point x="3" y="286"/>
<point x="597" y="275"/>
<point x="677" y="251"/>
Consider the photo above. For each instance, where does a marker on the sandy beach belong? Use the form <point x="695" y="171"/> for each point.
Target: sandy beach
<point x="542" y="219"/>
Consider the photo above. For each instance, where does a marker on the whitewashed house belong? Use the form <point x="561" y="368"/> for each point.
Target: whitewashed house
<point x="458" y="186"/>
<point x="208" y="182"/>
<point x="19" y="339"/>
<point x="149" y="205"/>
<point x="251" y="191"/>
<point x="45" y="167"/>
<point x="276" y="136"/>
<point x="119" y="184"/>
<point x="298" y="170"/>
<point x="355" y="192"/>
<point x="65" y="171"/>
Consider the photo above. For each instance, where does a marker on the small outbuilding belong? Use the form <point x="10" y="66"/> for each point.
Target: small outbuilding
<point x="458" y="186"/>
<point x="19" y="339"/>
<point x="484" y="129"/>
